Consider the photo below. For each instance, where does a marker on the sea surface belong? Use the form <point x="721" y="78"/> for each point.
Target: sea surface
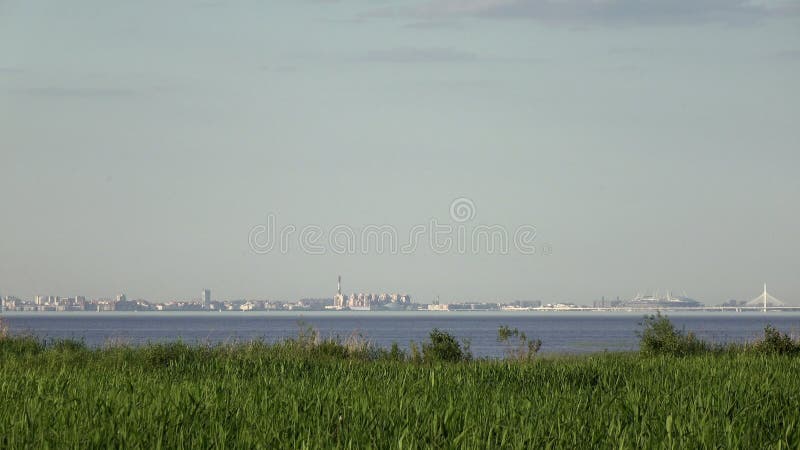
<point x="560" y="332"/>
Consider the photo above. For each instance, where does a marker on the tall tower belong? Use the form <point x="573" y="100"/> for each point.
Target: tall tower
<point x="338" y="300"/>
<point x="206" y="298"/>
<point x="765" y="301"/>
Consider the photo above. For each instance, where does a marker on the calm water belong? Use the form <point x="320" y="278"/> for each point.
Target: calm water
<point x="564" y="332"/>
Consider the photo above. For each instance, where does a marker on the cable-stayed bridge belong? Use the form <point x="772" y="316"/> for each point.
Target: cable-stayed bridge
<point x="765" y="300"/>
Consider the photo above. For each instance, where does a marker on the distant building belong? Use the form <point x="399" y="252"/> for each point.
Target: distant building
<point x="369" y="301"/>
<point x="655" y="301"/>
<point x="438" y="307"/>
<point x="206" y="298"/>
<point x="338" y="299"/>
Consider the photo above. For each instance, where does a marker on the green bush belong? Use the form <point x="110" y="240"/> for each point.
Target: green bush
<point x="443" y="347"/>
<point x="775" y="343"/>
<point x="660" y="337"/>
<point x="518" y="346"/>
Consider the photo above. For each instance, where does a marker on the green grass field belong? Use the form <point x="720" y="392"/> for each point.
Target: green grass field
<point x="300" y="395"/>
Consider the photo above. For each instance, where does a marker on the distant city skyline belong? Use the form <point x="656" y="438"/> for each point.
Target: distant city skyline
<point x="365" y="301"/>
<point x="340" y="299"/>
<point x="651" y="146"/>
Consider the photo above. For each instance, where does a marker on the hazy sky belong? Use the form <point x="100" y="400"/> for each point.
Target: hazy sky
<point x="653" y="144"/>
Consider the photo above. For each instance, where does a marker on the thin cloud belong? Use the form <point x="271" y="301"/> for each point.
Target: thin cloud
<point x="434" y="25"/>
<point x="630" y="51"/>
<point x="10" y="70"/>
<point x="789" y="55"/>
<point x="285" y="68"/>
<point x="76" y="92"/>
<point x="597" y="12"/>
<point x="418" y="55"/>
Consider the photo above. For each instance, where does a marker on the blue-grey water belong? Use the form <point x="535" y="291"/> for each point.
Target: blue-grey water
<point x="560" y="332"/>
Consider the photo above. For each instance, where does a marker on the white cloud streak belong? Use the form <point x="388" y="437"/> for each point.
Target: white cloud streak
<point x="598" y="11"/>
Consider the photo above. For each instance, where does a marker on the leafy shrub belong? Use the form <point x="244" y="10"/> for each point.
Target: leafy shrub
<point x="660" y="337"/>
<point x="523" y="349"/>
<point x="329" y="348"/>
<point x="442" y="346"/>
<point x="775" y="343"/>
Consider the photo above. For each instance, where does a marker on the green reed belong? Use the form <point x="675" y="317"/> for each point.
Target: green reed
<point x="313" y="393"/>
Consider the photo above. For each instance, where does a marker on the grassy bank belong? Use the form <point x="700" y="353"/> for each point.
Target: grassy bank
<point x="300" y="394"/>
